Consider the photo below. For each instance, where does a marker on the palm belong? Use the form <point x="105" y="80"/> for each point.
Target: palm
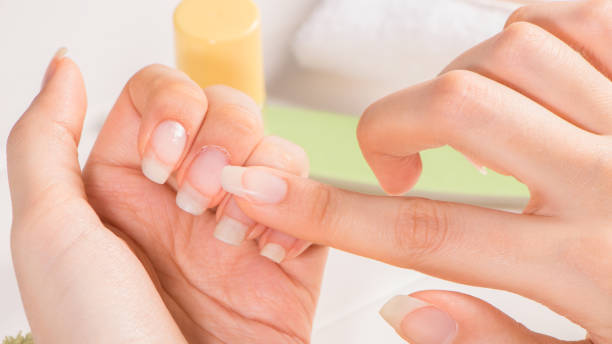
<point x="215" y="292"/>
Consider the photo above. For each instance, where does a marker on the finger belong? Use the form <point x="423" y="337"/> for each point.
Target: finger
<point x="233" y="226"/>
<point x="466" y="244"/>
<point x="584" y="25"/>
<point x="231" y="131"/>
<point x="442" y="317"/>
<point x="61" y="251"/>
<point x="173" y="108"/>
<point x="153" y="123"/>
<point x="42" y="146"/>
<point x="532" y="61"/>
<point x="480" y="118"/>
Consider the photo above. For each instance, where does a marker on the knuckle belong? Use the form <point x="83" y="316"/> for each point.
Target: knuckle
<point x="519" y="41"/>
<point x="452" y="93"/>
<point x="151" y="69"/>
<point x="165" y="89"/>
<point x="320" y="209"/>
<point x="590" y="253"/>
<point x="421" y="227"/>
<point x="364" y="126"/>
<point x="242" y="122"/>
<point x="174" y="92"/>
<point x="281" y="154"/>
<point x="520" y="14"/>
<point x="369" y="128"/>
<point x="233" y="95"/>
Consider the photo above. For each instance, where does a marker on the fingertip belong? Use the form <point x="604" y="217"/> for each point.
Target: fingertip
<point x="418" y="321"/>
<point x="396" y="175"/>
<point x="62" y="97"/>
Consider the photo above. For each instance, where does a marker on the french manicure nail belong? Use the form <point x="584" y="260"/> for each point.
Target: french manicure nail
<point x="274" y="252"/>
<point x="165" y="149"/>
<point x="61" y="52"/>
<point x="418" y="321"/>
<point x="191" y="200"/>
<point x="203" y="180"/>
<point x="233" y="224"/>
<point x="255" y="184"/>
<point x="230" y="231"/>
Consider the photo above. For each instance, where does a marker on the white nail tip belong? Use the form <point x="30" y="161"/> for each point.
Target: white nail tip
<point x="191" y="201"/>
<point x="230" y="231"/>
<point x="231" y="180"/>
<point x="155" y="170"/>
<point x="274" y="252"/>
<point x="398" y="307"/>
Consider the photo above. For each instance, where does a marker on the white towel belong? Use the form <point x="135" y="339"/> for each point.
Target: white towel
<point x="407" y="40"/>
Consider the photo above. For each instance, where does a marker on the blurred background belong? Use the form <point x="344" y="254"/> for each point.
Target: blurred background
<point x="331" y="55"/>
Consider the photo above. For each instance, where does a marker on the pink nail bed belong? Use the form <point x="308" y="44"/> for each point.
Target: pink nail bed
<point x="203" y="180"/>
<point x="204" y="174"/>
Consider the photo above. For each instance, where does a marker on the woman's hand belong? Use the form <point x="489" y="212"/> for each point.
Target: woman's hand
<point x="534" y="102"/>
<point x="107" y="256"/>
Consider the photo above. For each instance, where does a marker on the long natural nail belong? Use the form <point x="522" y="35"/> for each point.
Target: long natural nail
<point x="61" y="52"/>
<point x="233" y="225"/>
<point x="274" y="252"/>
<point x="418" y="321"/>
<point x="165" y="149"/>
<point x="202" y="180"/>
<point x="255" y="184"/>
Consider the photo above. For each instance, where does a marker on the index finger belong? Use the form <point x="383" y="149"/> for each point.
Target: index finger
<point x="458" y="242"/>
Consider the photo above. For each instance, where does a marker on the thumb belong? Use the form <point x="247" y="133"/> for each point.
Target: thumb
<point x="77" y="279"/>
<point x="42" y="147"/>
<point x="444" y="317"/>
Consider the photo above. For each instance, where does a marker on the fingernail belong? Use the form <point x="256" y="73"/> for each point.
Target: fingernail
<point x="255" y="184"/>
<point x="61" y="52"/>
<point x="165" y="149"/>
<point x="274" y="252"/>
<point x="234" y="225"/>
<point x="230" y="231"/>
<point x="418" y="321"/>
<point x="203" y="180"/>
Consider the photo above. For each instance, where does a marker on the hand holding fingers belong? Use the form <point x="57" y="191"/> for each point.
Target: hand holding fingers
<point x="528" y="105"/>
<point x="178" y="125"/>
<point x="222" y="127"/>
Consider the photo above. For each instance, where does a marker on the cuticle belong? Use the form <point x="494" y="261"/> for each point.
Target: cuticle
<point x="217" y="147"/>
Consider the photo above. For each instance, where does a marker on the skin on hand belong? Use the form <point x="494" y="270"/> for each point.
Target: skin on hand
<point x="127" y="250"/>
<point x="534" y="102"/>
<point x="210" y="286"/>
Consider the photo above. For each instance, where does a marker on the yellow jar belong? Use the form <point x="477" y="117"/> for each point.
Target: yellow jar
<point x="219" y="42"/>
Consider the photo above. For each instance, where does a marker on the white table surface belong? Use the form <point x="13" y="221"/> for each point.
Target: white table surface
<point x="112" y="39"/>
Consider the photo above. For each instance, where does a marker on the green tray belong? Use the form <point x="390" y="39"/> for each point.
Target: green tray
<point x="329" y="139"/>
